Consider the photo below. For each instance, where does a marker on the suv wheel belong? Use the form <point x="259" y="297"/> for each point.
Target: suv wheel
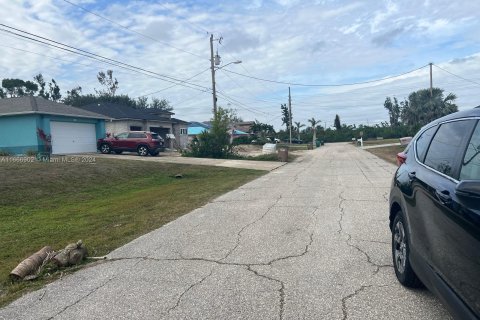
<point x="105" y="148"/>
<point x="400" y="253"/>
<point x="142" y="151"/>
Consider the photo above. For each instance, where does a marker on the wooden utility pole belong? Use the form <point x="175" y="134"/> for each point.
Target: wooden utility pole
<point x="431" y="81"/>
<point x="290" y="113"/>
<point x="212" y="65"/>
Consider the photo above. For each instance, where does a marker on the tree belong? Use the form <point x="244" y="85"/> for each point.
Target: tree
<point x="314" y="124"/>
<point x="162" y="104"/>
<point x="73" y="95"/>
<point x="216" y="142"/>
<point x="262" y="129"/>
<point x="393" y="111"/>
<point x="19" y="88"/>
<point x="337" y="123"/>
<point x="41" y="84"/>
<point x="75" y="99"/>
<point x="142" y="102"/>
<point x="55" y="94"/>
<point x="421" y="108"/>
<point x="298" y="125"/>
<point x="110" y="83"/>
<point x="285" y="116"/>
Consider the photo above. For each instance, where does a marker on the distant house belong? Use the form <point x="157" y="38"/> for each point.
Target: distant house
<point x="27" y="123"/>
<point x="124" y="118"/>
<point x="244" y="126"/>
<point x="195" y="128"/>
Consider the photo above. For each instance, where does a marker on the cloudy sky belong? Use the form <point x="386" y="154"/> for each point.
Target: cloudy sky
<point x="319" y="47"/>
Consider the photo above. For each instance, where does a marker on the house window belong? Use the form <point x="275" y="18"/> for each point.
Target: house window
<point x="183" y="131"/>
<point x="135" y="128"/>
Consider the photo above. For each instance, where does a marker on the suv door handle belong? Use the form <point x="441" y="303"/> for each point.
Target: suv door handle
<point x="412" y="175"/>
<point x="443" y="196"/>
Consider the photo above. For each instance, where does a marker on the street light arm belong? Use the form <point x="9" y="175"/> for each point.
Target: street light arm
<point x="233" y="62"/>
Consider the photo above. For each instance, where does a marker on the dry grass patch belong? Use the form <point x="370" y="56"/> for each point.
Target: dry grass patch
<point x="388" y="154"/>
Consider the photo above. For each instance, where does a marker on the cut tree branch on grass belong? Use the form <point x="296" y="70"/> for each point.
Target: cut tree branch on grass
<point x="32" y="267"/>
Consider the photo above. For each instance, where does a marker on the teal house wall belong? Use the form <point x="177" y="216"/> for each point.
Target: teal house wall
<point x="18" y="133"/>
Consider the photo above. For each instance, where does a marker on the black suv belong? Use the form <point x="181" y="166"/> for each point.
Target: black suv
<point x="435" y="212"/>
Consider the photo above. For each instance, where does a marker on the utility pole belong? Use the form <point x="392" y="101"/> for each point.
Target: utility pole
<point x="290" y="113"/>
<point x="212" y="65"/>
<point x="431" y="81"/>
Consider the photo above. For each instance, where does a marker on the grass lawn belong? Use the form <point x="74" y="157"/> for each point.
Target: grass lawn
<point x="384" y="141"/>
<point x="387" y="153"/>
<point x="106" y="204"/>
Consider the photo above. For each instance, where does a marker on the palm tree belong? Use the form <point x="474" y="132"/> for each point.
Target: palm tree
<point x="314" y="124"/>
<point x="299" y="125"/>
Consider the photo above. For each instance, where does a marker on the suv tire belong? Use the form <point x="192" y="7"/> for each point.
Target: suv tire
<point x="142" y="151"/>
<point x="401" y="253"/>
<point x="105" y="148"/>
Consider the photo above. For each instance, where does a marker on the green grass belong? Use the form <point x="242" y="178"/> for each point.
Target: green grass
<point x="106" y="204"/>
<point x="388" y="154"/>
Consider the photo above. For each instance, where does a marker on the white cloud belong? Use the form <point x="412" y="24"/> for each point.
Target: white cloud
<point x="292" y="41"/>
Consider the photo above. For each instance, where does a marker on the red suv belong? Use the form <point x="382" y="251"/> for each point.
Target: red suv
<point x="142" y="142"/>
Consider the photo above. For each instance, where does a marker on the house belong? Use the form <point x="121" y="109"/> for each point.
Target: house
<point x="123" y="118"/>
<point x="244" y="126"/>
<point x="195" y="128"/>
<point x="30" y="124"/>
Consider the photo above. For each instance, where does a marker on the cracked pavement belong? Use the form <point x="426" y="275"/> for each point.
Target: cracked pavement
<point x="309" y="240"/>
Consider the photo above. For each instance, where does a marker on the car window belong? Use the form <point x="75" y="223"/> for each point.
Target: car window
<point x="154" y="136"/>
<point x="446" y="145"/>
<point x="471" y="162"/>
<point x="137" y="135"/>
<point x="122" y="135"/>
<point x="423" y="141"/>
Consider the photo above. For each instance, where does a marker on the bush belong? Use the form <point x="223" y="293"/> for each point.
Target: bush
<point x="214" y="143"/>
<point x="31" y="153"/>
<point x="4" y="153"/>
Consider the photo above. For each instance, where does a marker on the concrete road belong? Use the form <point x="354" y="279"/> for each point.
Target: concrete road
<point x="309" y="240"/>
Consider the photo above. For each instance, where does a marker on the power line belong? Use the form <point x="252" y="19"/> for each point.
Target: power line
<point x="102" y="58"/>
<point x="130" y="30"/>
<point x="455" y="75"/>
<point x="169" y="87"/>
<point x="324" y="85"/>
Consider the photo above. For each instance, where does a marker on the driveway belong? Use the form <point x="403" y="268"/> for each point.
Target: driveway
<point x="309" y="240"/>
<point x="165" y="157"/>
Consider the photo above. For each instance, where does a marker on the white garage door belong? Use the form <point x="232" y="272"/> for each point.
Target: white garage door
<point x="68" y="137"/>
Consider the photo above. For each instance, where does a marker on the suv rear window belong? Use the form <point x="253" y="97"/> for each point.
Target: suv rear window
<point x="447" y="145"/>
<point x="137" y="135"/>
<point x="471" y="162"/>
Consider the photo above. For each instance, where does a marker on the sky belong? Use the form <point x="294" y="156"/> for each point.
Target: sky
<point x="320" y="49"/>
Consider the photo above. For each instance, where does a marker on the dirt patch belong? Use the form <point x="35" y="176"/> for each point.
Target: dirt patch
<point x="248" y="150"/>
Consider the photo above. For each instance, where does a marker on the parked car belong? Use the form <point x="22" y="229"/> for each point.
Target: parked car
<point x="435" y="212"/>
<point x="142" y="142"/>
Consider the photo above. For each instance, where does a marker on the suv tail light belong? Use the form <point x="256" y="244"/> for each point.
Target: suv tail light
<point x="401" y="158"/>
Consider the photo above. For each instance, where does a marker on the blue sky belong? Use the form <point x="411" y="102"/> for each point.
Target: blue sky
<point x="309" y="42"/>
